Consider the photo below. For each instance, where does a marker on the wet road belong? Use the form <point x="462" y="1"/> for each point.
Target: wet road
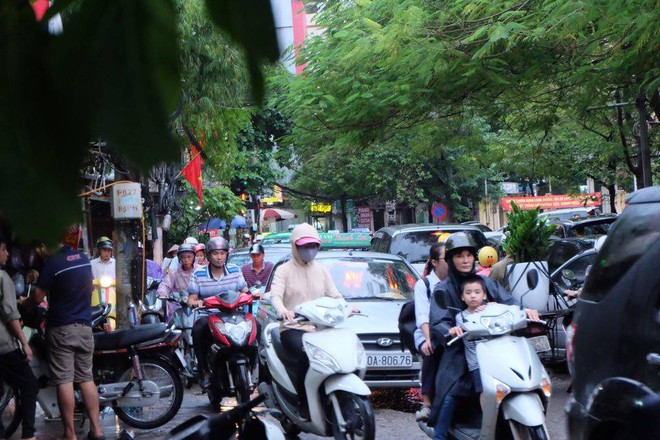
<point x="394" y="417"/>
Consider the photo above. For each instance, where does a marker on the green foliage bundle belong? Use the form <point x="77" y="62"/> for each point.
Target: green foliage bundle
<point x="528" y="236"/>
<point x="115" y="73"/>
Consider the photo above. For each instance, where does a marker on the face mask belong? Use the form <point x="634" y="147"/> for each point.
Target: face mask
<point x="307" y="254"/>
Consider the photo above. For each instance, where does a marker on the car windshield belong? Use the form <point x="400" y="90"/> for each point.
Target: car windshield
<point x="635" y="231"/>
<point x="414" y="246"/>
<point x="371" y="278"/>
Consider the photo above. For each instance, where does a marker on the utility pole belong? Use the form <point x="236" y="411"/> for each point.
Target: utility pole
<point x="643" y="150"/>
<point x="126" y="203"/>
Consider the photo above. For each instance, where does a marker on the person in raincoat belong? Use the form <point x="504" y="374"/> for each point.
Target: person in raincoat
<point x="453" y="377"/>
<point x="297" y="281"/>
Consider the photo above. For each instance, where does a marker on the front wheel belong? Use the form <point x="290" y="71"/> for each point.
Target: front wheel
<point x="171" y="395"/>
<point x="528" y="432"/>
<point x="241" y="382"/>
<point x="358" y="415"/>
<point x="10" y="409"/>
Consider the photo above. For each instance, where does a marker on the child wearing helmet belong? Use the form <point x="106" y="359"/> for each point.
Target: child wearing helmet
<point x="487" y="258"/>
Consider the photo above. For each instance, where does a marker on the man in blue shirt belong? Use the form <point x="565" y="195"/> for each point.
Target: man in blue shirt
<point x="67" y="281"/>
<point x="209" y="281"/>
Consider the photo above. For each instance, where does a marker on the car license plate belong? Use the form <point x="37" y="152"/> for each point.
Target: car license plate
<point x="389" y="360"/>
<point x="540" y="343"/>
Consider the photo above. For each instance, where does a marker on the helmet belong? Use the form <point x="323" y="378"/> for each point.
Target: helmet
<point x="199" y="247"/>
<point x="104" y="243"/>
<point x="487" y="256"/>
<point x="185" y="247"/>
<point x="216" y="244"/>
<point x="458" y="241"/>
<point x="191" y="240"/>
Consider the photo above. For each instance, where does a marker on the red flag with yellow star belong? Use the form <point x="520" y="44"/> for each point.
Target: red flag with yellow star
<point x="193" y="174"/>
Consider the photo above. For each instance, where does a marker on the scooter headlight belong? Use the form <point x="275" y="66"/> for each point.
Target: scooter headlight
<point x="105" y="281"/>
<point x="499" y="324"/>
<point x="321" y="357"/>
<point x="237" y="333"/>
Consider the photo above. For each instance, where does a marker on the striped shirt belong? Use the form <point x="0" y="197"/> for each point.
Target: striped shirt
<point x="204" y="285"/>
<point x="252" y="276"/>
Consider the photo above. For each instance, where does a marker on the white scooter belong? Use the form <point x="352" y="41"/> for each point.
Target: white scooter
<point x="515" y="384"/>
<point x="337" y="397"/>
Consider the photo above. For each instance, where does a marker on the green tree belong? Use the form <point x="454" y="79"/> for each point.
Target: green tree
<point x="219" y="202"/>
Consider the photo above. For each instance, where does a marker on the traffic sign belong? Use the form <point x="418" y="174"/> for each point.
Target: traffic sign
<point x="439" y="211"/>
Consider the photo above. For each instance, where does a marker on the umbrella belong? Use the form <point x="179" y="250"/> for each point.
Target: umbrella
<point x="212" y="223"/>
<point x="276" y="214"/>
<point x="238" y="222"/>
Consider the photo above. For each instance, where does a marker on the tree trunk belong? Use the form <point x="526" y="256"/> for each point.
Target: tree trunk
<point x="612" y="190"/>
<point x="344" y="220"/>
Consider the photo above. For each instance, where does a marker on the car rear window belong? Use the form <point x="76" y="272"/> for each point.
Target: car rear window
<point x="635" y="231"/>
<point x="414" y="246"/>
<point x="371" y="278"/>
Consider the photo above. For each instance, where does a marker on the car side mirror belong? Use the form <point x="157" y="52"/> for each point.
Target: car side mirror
<point x="532" y="279"/>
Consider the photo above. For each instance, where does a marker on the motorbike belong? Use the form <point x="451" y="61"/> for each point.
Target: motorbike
<point x="239" y="422"/>
<point x="516" y="386"/>
<point x="131" y="370"/>
<point x="233" y="353"/>
<point x="105" y="293"/>
<point x="337" y="396"/>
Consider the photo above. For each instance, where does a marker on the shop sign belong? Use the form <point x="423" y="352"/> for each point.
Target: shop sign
<point x="126" y="201"/>
<point x="321" y="208"/>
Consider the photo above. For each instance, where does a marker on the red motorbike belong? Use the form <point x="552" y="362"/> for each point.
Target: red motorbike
<point x="233" y="353"/>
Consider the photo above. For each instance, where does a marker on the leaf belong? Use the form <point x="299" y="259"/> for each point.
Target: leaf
<point x="250" y="23"/>
<point x="128" y="99"/>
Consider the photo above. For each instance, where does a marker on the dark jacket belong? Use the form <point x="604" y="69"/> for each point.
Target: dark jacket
<point x="453" y="365"/>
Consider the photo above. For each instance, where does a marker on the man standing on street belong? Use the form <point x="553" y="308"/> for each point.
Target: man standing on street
<point x="104" y="264"/>
<point x="259" y="270"/>
<point x="67" y="281"/>
<point x="15" y="363"/>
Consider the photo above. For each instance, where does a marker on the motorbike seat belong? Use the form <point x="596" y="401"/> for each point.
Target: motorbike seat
<point x="290" y="360"/>
<point x="126" y="337"/>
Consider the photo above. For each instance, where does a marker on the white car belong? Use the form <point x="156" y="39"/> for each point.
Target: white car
<point x="378" y="284"/>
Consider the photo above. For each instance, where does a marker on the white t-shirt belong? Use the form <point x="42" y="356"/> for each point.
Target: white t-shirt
<point x="423" y="305"/>
<point x="99" y="268"/>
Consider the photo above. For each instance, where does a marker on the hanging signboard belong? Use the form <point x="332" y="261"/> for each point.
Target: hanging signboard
<point x="559" y="201"/>
<point x="363" y="217"/>
<point x="321" y="208"/>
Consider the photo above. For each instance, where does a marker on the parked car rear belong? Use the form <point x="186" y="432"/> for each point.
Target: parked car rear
<point x="413" y="241"/>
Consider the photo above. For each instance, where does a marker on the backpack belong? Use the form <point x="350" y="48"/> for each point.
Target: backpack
<point x="408" y="322"/>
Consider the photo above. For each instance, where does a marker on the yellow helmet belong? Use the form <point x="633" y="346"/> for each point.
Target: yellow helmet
<point x="487" y="256"/>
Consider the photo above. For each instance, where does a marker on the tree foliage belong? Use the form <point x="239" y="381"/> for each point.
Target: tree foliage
<point x="219" y="202"/>
<point x="114" y="74"/>
<point x="509" y="81"/>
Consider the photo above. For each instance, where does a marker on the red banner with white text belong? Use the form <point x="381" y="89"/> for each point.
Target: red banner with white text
<point x="560" y="201"/>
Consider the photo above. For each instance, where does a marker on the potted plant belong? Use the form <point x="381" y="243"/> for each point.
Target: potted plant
<point x="527" y="242"/>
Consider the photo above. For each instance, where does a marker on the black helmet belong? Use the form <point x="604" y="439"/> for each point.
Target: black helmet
<point x="458" y="241"/>
<point x="217" y="244"/>
<point x="104" y="243"/>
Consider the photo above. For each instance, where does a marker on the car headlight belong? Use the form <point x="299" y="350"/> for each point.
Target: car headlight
<point x="237" y="333"/>
<point x="322" y="357"/>
<point x="497" y="325"/>
<point x="331" y="316"/>
<point x="360" y="355"/>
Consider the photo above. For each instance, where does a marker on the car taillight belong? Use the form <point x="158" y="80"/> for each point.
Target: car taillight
<point x="570" y="337"/>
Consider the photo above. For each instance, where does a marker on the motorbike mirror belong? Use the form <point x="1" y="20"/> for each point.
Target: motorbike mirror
<point x="532" y="279"/>
<point x="568" y="274"/>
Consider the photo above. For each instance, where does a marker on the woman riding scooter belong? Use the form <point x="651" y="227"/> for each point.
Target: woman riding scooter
<point x="297" y="281"/>
<point x="453" y="377"/>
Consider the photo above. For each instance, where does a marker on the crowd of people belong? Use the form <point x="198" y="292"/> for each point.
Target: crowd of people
<point x="450" y="283"/>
